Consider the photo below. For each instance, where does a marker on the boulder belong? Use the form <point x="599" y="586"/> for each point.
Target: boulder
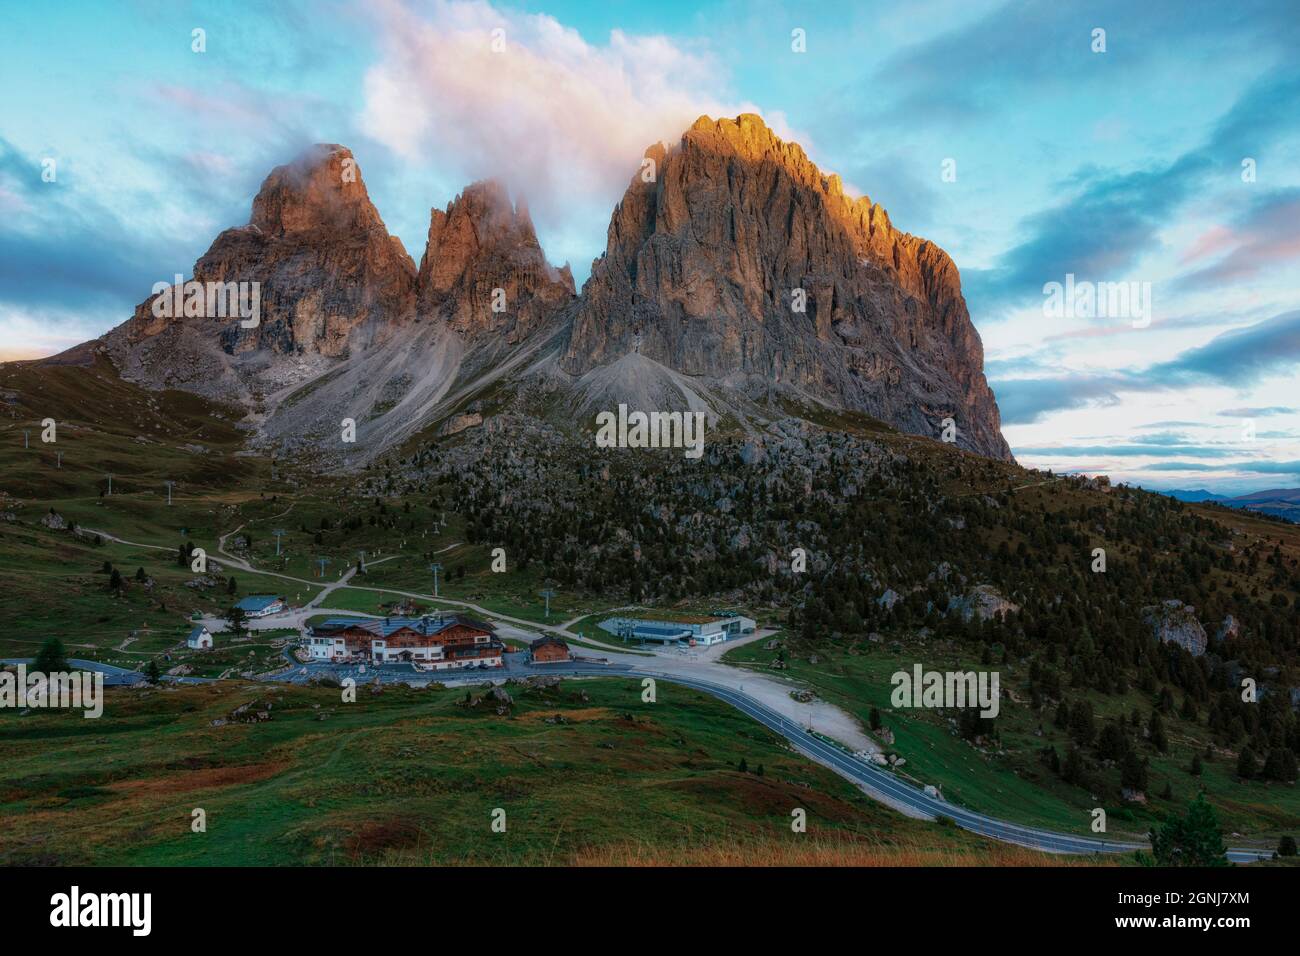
<point x="1173" y="621"/>
<point x="983" y="602"/>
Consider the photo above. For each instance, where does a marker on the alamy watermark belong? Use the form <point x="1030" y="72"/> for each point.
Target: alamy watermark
<point x="209" y="300"/>
<point x="651" y="430"/>
<point x="950" y="689"/>
<point x="78" y="690"/>
<point x="75" y="908"/>
<point x="1098" y="300"/>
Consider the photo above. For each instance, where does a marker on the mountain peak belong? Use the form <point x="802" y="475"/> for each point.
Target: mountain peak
<point x="481" y="217"/>
<point x="322" y="188"/>
<point x="482" y="243"/>
<point x="742" y="263"/>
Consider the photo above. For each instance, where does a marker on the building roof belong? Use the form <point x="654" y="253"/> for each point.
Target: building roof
<point x="548" y="639"/>
<point x="425" y="626"/>
<point x="197" y="631"/>
<point x="257" y="602"/>
<point x="650" y="630"/>
<point x="675" y="617"/>
<point x="338" y="623"/>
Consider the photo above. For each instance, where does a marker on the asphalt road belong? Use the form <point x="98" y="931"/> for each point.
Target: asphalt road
<point x="889" y="789"/>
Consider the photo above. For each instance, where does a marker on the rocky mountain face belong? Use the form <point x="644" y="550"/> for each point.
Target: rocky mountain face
<point x="733" y="259"/>
<point x="484" y="272"/>
<point x="736" y="276"/>
<point x="331" y="280"/>
<point x="348" y="327"/>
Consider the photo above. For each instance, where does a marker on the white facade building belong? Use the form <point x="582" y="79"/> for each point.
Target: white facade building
<point x="696" y="630"/>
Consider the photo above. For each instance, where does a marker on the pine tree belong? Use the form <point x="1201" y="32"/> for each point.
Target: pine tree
<point x="1062" y="714"/>
<point x="51" y="658"/>
<point x="1280" y="765"/>
<point x="1073" y="770"/>
<point x="1133" y="773"/>
<point x="1156" y="730"/>
<point x="1193" y="839"/>
<point x="1247" y="766"/>
<point x="1112" y="744"/>
<point x="1052" y="759"/>
<point x="1082" y="726"/>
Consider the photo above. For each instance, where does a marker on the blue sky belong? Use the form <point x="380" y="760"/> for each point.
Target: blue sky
<point x="1122" y="166"/>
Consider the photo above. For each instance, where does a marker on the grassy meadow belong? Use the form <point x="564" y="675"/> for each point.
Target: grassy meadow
<point x="585" y="773"/>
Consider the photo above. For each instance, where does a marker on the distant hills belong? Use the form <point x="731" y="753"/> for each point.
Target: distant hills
<point x="1199" y="494"/>
<point x="1280" y="502"/>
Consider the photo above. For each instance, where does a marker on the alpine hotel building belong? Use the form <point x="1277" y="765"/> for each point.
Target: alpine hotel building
<point x="438" y="642"/>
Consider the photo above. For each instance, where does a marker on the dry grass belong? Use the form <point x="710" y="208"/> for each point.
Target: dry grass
<point x="571" y="715"/>
<point x="209" y="778"/>
<point x="820" y="851"/>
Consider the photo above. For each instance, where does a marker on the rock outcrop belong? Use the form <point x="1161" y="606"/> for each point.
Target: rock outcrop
<point x="732" y="258"/>
<point x="1229" y="629"/>
<point x="982" y="602"/>
<point x="483" y="270"/>
<point x="330" y="280"/>
<point x="1175" y="621"/>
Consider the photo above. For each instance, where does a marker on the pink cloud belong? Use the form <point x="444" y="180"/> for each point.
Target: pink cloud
<point x="1212" y="242"/>
<point x="1268" y="237"/>
<point x="563" y="121"/>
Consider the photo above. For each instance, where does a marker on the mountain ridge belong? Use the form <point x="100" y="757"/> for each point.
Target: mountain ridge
<point x="736" y="279"/>
<point x="738" y="260"/>
<point x="1278" y="502"/>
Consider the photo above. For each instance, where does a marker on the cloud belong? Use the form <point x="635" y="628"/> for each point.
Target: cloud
<point x="68" y="249"/>
<point x="1267" y="235"/>
<point x="77" y="255"/>
<point x="1113" y="219"/>
<point x="1254" y="467"/>
<point x="1186" y="466"/>
<point x="35" y="333"/>
<point x="1022" y="401"/>
<point x="1162" y="438"/>
<point x="1237" y="358"/>
<point x="564" y="122"/>
<point x="1124" y="451"/>
<point x="1024" y="47"/>
<point x="1263" y="412"/>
